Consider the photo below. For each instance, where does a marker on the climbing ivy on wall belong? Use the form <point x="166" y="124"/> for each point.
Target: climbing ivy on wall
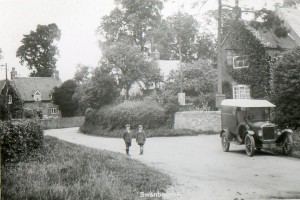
<point x="15" y="109"/>
<point x="257" y="75"/>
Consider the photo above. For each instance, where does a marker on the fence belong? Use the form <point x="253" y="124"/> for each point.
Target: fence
<point x="64" y="122"/>
<point x="198" y="120"/>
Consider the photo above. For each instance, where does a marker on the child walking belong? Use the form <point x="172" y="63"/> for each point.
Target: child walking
<point x="127" y="138"/>
<point x="141" y="138"/>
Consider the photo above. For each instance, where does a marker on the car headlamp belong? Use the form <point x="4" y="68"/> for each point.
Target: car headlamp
<point x="278" y="132"/>
<point x="260" y="133"/>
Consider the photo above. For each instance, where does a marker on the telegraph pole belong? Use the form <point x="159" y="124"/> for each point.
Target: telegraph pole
<point x="181" y="94"/>
<point x="7" y="98"/>
<point x="219" y="95"/>
<point x="219" y="59"/>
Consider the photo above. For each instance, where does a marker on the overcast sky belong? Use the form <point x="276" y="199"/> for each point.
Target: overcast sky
<point x="78" y="21"/>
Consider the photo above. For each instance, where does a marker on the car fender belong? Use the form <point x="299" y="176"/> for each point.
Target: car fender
<point x="250" y="132"/>
<point x="225" y="131"/>
<point x="283" y="134"/>
<point x="239" y="132"/>
<point x="287" y="131"/>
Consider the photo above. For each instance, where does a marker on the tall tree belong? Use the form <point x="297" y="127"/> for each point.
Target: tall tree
<point x="206" y="47"/>
<point x="268" y="19"/>
<point x="38" y="50"/>
<point x="177" y="33"/>
<point x="262" y="18"/>
<point x="62" y="96"/>
<point x="82" y="74"/>
<point x="199" y="78"/>
<point x="199" y="81"/>
<point x="128" y="65"/>
<point x="136" y="19"/>
<point x="97" y="91"/>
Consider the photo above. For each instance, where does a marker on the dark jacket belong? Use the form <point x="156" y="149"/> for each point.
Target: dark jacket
<point x="141" y="137"/>
<point x="127" y="136"/>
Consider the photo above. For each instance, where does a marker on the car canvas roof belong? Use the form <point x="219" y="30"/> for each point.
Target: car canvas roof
<point x="247" y="103"/>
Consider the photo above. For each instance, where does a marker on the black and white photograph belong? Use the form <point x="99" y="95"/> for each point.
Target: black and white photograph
<point x="149" y="99"/>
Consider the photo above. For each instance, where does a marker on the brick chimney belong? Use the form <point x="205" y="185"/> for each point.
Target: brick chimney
<point x="56" y="74"/>
<point x="13" y="73"/>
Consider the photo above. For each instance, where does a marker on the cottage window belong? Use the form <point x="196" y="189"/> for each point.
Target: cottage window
<point x="53" y="110"/>
<point x="37" y="96"/>
<point x="240" y="62"/>
<point x="241" y="92"/>
<point x="9" y="99"/>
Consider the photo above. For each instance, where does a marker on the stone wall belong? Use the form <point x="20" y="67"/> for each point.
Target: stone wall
<point x="198" y="120"/>
<point x="64" y="122"/>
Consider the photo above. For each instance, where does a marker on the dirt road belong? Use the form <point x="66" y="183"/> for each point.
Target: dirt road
<point x="202" y="170"/>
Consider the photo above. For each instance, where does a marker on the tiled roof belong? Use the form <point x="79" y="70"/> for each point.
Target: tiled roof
<point x="270" y="40"/>
<point x="166" y="66"/>
<point x="291" y="16"/>
<point x="27" y="86"/>
<point x="2" y="84"/>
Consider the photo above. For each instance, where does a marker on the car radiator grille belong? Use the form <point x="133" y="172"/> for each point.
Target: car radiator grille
<point x="268" y="133"/>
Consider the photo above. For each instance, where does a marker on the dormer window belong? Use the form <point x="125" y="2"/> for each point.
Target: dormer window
<point x="9" y="99"/>
<point x="240" y="62"/>
<point x="37" y="96"/>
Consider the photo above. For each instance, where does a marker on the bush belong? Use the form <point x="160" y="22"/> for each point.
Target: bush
<point x="28" y="113"/>
<point x="20" y="139"/>
<point x="148" y="113"/>
<point x="287" y="89"/>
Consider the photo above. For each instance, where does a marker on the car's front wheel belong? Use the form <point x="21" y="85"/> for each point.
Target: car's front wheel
<point x="249" y="145"/>
<point x="287" y="144"/>
<point x="225" y="143"/>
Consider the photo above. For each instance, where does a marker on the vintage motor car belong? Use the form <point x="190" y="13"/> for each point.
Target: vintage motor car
<point x="247" y="121"/>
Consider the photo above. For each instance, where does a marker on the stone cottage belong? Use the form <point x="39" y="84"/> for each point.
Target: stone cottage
<point x="36" y="92"/>
<point x="232" y="56"/>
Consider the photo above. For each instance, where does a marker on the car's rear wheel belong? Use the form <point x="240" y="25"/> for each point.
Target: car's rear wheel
<point x="249" y="145"/>
<point x="225" y="143"/>
<point x="287" y="144"/>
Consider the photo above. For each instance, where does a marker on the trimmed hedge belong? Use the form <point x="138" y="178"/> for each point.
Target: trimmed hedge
<point x="20" y="139"/>
<point x="149" y="114"/>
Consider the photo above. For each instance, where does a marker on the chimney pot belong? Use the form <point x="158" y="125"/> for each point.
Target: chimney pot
<point x="13" y="73"/>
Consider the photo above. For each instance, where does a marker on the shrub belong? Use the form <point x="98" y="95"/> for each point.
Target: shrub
<point x="148" y="113"/>
<point x="287" y="89"/>
<point x="28" y="113"/>
<point x="20" y="139"/>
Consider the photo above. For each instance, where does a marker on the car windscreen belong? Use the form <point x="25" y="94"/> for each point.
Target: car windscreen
<point x="258" y="114"/>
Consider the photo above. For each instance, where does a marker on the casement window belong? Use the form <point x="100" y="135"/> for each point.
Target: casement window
<point x="235" y="59"/>
<point x="53" y="111"/>
<point x="37" y="96"/>
<point x="240" y="62"/>
<point x="9" y="99"/>
<point x="241" y="92"/>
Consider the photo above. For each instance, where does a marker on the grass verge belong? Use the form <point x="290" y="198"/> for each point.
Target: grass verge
<point x="67" y="171"/>
<point x="158" y="132"/>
